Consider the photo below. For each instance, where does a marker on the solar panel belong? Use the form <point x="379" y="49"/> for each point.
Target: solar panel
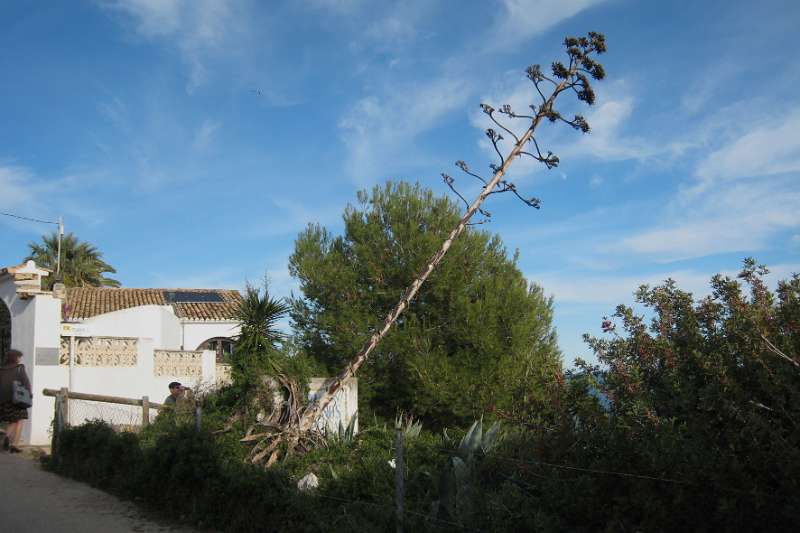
<point x="192" y="297"/>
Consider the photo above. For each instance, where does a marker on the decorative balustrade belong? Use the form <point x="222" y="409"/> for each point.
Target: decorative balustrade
<point x="223" y="375"/>
<point x="100" y="351"/>
<point x="178" y="363"/>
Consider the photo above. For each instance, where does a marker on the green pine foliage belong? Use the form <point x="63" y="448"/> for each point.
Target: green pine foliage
<point x="477" y="336"/>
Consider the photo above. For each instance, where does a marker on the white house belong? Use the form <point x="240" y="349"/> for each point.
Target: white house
<point x="121" y="342"/>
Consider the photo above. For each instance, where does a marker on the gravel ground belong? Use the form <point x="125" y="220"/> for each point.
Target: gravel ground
<point x="33" y="500"/>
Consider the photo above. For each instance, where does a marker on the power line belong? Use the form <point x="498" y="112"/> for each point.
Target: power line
<point x="614" y="473"/>
<point x="30" y="219"/>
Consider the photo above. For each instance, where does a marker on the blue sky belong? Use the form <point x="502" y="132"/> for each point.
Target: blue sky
<point x="192" y="140"/>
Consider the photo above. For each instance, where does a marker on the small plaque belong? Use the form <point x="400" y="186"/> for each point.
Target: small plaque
<point x="47" y="356"/>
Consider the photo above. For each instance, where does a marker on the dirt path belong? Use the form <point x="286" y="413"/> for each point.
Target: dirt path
<point x="32" y="500"/>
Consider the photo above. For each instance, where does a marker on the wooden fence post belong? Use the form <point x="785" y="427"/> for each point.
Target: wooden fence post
<point x="65" y="419"/>
<point x="399" y="490"/>
<point x="145" y="411"/>
<point x="57" y="423"/>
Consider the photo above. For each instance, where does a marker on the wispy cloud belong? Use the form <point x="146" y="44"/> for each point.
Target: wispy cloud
<point x="292" y="216"/>
<point x="611" y="289"/>
<point x="769" y="148"/>
<point x="519" y="20"/>
<point x="610" y="138"/>
<point x="205" y="134"/>
<point x="199" y="29"/>
<point x="702" y="90"/>
<point x="17" y="189"/>
<point x="731" y="218"/>
<point x="718" y="210"/>
<point x="377" y="129"/>
<point x="24" y="193"/>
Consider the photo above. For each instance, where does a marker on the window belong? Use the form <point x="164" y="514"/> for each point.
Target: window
<point x="222" y="345"/>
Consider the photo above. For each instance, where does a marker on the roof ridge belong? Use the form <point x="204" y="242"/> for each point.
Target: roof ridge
<point x="148" y="289"/>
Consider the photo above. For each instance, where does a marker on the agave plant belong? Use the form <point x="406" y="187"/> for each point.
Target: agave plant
<point x="411" y="428"/>
<point x="457" y="483"/>
<point x="343" y="434"/>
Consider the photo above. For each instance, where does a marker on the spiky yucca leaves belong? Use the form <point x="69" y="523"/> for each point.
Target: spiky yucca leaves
<point x="258" y="315"/>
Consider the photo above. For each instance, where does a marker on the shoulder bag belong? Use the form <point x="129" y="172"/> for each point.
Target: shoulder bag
<point x="21" y="396"/>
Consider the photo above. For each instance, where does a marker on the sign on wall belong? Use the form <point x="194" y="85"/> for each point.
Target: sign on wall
<point x="46" y="357"/>
<point x="75" y="330"/>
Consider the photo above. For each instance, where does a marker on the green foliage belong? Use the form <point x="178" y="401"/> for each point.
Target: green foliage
<point x="256" y="345"/>
<point x="476" y="336"/>
<point x="96" y="454"/>
<point x="193" y="476"/>
<point x="688" y="422"/>
<point x="344" y="434"/>
<point x="81" y="263"/>
<point x="458" y="483"/>
<point x="717" y="404"/>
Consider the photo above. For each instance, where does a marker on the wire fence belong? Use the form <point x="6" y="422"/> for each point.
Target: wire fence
<point x="122" y="414"/>
<point x="119" y="417"/>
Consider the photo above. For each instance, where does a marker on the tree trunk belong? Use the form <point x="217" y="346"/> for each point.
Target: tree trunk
<point x="313" y="412"/>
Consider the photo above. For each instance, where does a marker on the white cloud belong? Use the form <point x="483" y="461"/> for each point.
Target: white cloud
<point x="154" y="17"/>
<point x="614" y="289"/>
<point x="377" y="130"/>
<point x="610" y="289"/>
<point x="772" y="148"/>
<point x="397" y="27"/>
<point x="116" y="112"/>
<point x="205" y="134"/>
<point x="522" y="19"/>
<point x="343" y="6"/>
<point x="24" y="193"/>
<point x="718" y="211"/>
<point x="199" y="29"/>
<point x="16" y="189"/>
<point x="608" y="139"/>
<point x="705" y="87"/>
<point x="733" y="218"/>
<point x="293" y="216"/>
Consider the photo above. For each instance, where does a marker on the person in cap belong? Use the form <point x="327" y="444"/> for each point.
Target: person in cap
<point x="175" y="390"/>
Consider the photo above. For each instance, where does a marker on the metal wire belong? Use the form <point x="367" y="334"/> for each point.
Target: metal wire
<point x="30" y="219"/>
<point x="119" y="417"/>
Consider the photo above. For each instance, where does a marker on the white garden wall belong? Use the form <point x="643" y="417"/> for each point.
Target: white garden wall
<point x="132" y="353"/>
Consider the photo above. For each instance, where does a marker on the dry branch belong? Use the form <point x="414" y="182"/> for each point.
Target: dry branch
<point x="569" y="80"/>
<point x="300" y="428"/>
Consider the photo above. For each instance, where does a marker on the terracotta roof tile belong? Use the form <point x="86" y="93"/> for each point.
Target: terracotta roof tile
<point x="86" y="302"/>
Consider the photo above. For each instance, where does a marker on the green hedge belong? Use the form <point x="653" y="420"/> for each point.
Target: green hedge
<point x="195" y="477"/>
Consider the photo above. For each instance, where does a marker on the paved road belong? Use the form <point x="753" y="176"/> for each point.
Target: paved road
<point x="32" y="500"/>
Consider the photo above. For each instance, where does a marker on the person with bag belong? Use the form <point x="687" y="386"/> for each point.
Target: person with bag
<point x="15" y="398"/>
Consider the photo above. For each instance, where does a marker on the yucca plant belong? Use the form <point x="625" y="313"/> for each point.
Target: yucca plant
<point x="458" y="483"/>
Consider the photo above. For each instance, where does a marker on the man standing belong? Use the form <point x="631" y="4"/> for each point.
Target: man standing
<point x="175" y="390"/>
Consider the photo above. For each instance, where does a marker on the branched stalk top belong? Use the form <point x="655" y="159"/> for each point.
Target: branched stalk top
<point x="574" y="76"/>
